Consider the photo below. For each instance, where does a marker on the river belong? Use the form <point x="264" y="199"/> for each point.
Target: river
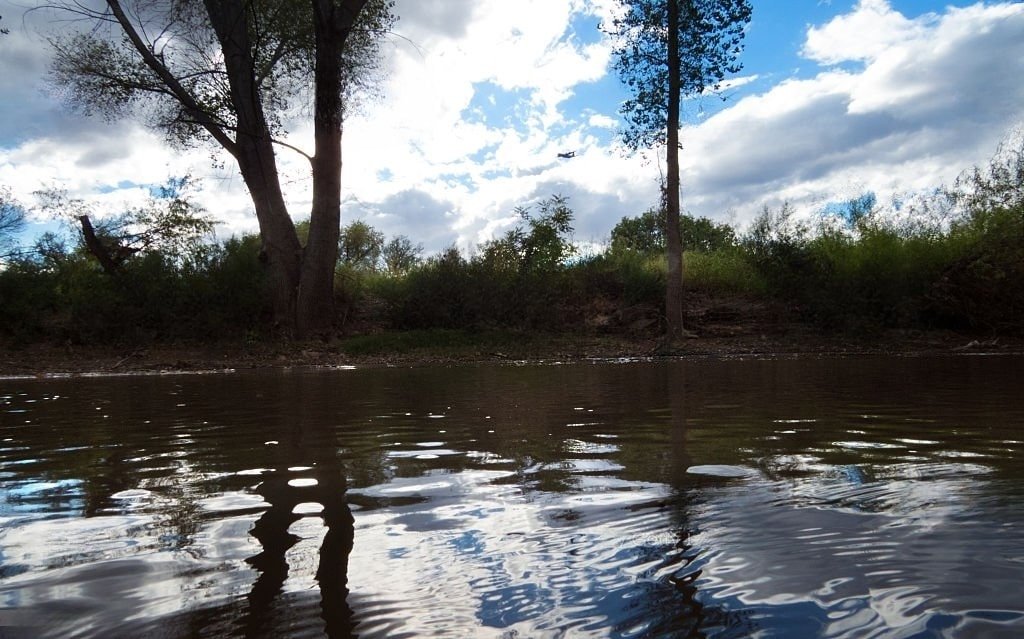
<point x="833" y="497"/>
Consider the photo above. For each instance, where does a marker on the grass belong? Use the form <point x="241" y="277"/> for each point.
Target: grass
<point x="724" y="270"/>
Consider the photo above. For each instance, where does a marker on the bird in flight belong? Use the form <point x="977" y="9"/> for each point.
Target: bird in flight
<point x="567" y="155"/>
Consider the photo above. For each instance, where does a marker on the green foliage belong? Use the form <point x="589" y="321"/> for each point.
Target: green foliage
<point x="999" y="186"/>
<point x="435" y="294"/>
<point x="642" y="234"/>
<point x="213" y="291"/>
<point x="878" y="279"/>
<point x="725" y="270"/>
<point x="710" y="41"/>
<point x="520" y="279"/>
<point x="237" y="74"/>
<point x="703" y="235"/>
<point x="875" y="271"/>
<point x="364" y="258"/>
<point x="109" y="77"/>
<point x="957" y="262"/>
<point x="27" y="301"/>
<point x="983" y="286"/>
<point x="629" y="278"/>
<point x="360" y="246"/>
<point x="169" y="222"/>
<point x="542" y="247"/>
<point x="776" y="246"/>
<point x="400" y="255"/>
<point x="646" y="234"/>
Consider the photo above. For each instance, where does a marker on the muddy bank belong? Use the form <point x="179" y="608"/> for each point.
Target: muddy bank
<point x="396" y="349"/>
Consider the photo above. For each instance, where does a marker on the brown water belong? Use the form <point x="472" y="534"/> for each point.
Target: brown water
<point x="815" y="498"/>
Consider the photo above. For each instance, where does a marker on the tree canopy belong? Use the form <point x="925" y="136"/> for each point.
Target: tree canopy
<point x="543" y="246"/>
<point x="710" y="35"/>
<point x="170" y="73"/>
<point x="168" y="222"/>
<point x="646" y="233"/>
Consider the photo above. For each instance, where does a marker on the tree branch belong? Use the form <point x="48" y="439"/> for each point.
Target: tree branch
<point x="280" y="143"/>
<point x="216" y="129"/>
<point x="97" y="248"/>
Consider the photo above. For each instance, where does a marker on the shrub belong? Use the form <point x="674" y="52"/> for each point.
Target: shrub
<point x="723" y="270"/>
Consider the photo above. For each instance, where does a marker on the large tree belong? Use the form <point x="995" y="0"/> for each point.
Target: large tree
<point x="667" y="50"/>
<point x="235" y="72"/>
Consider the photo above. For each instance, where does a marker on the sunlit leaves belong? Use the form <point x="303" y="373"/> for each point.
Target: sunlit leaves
<point x="543" y="245"/>
<point x="400" y="255"/>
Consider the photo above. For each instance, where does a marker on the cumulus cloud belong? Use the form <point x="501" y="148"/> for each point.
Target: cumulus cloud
<point x="480" y="97"/>
<point x="437" y="130"/>
<point x="424" y="20"/>
<point x="925" y="98"/>
<point x="934" y="96"/>
<point x="45" y="143"/>
<point x="410" y="212"/>
<point x="872" y="29"/>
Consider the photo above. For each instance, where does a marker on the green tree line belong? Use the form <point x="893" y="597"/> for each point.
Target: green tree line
<point x="953" y="260"/>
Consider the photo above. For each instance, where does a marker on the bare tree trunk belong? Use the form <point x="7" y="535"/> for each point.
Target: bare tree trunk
<point x="315" y="311"/>
<point x="254" y="153"/>
<point x="673" y="243"/>
<point x="281" y="251"/>
<point x="332" y="24"/>
<point x="95" y="246"/>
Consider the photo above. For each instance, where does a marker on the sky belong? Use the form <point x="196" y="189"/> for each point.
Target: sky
<point x="836" y="98"/>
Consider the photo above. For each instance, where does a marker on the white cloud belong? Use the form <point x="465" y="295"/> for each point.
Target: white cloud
<point x="934" y="97"/>
<point x="602" y="121"/>
<point x="899" y="103"/>
<point x="731" y="83"/>
<point x="873" y="28"/>
<point x="481" y="167"/>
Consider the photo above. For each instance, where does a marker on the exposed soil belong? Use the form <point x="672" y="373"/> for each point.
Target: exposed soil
<point x="722" y="327"/>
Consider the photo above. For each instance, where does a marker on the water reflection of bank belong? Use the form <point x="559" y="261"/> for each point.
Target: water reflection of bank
<point x="530" y="499"/>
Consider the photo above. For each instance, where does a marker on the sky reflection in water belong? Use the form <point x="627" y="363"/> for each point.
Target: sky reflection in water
<point x="819" y="498"/>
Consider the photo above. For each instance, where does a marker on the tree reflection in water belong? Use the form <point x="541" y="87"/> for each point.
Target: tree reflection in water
<point x="672" y="606"/>
<point x="272" y="531"/>
<point x="308" y="471"/>
<point x="535" y="500"/>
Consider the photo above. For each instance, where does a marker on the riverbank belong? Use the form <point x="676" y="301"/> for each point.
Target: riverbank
<point x="463" y="347"/>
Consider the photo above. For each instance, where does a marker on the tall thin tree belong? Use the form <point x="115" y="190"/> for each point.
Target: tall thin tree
<point x="667" y="50"/>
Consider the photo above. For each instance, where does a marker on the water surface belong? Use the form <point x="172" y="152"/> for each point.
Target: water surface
<point x="867" y="497"/>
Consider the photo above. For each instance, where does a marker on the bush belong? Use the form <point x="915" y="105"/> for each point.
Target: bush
<point x="723" y="270"/>
<point x="215" y="291"/>
<point x="983" y="285"/>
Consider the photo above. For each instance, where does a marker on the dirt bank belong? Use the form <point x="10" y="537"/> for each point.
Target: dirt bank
<point x="394" y="349"/>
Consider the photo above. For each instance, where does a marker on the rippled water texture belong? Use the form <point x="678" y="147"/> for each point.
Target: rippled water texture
<point x="822" y="498"/>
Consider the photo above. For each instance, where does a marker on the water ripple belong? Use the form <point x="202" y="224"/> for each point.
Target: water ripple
<point x="831" y="498"/>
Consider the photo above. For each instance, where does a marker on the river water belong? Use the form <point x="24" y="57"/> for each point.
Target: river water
<point x="848" y="497"/>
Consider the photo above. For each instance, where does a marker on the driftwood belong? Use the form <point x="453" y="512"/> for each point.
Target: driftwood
<point x="97" y="248"/>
